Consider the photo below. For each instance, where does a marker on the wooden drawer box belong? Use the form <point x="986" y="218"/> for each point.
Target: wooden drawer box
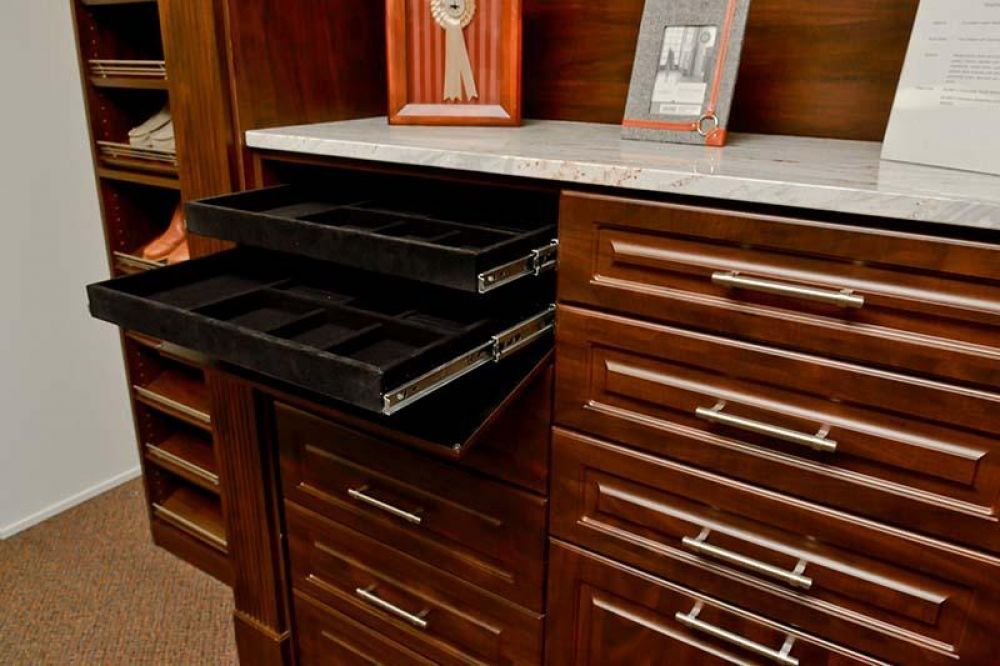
<point x="488" y="533"/>
<point x="908" y="451"/>
<point x="922" y="304"/>
<point x="884" y="592"/>
<point x="413" y="603"/>
<point x="324" y="636"/>
<point x="604" y="613"/>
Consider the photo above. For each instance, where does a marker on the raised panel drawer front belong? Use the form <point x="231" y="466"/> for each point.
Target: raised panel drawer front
<point x="416" y="604"/>
<point x="325" y="637"/>
<point x="908" y="451"/>
<point x="921" y="304"/>
<point x="603" y="613"/>
<point x="488" y="533"/>
<point x="898" y="596"/>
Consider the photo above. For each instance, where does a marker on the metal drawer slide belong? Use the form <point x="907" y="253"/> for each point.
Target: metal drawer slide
<point x="539" y="260"/>
<point x="498" y="347"/>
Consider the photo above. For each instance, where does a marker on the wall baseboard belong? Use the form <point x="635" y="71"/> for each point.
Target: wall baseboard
<point x="19" y="526"/>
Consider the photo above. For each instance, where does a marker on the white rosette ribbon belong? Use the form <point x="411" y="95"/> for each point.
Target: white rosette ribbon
<point x="454" y="16"/>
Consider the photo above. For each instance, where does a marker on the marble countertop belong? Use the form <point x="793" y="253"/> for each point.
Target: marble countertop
<point x="820" y="174"/>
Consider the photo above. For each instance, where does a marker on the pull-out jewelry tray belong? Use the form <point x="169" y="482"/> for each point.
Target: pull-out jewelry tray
<point x="467" y="238"/>
<point x="377" y="343"/>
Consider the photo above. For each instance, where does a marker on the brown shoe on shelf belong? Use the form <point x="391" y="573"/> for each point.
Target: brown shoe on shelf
<point x="168" y="241"/>
<point x="181" y="253"/>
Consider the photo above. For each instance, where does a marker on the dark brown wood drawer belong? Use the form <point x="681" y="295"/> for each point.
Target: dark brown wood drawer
<point x="930" y="305"/>
<point x="415" y="604"/>
<point x="884" y="592"/>
<point x="601" y="612"/>
<point x="325" y="636"/>
<point x="488" y="533"/>
<point x="915" y="453"/>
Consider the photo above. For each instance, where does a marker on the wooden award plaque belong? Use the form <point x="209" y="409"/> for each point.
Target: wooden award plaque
<point x="454" y="62"/>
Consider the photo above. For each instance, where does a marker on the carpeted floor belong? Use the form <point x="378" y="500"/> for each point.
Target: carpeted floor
<point x="89" y="587"/>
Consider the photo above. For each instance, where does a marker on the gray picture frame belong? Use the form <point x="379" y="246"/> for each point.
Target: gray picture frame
<point x="686" y="62"/>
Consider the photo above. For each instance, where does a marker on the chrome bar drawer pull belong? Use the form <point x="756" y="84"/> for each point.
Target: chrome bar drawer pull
<point x="368" y="594"/>
<point x="361" y="495"/>
<point x="793" y="578"/>
<point x="845" y="298"/>
<point x="782" y="656"/>
<point x="818" y="442"/>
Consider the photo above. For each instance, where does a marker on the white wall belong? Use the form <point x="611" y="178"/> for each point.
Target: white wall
<point x="65" y="425"/>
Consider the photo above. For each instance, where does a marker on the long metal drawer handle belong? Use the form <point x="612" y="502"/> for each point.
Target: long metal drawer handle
<point x="368" y="594"/>
<point x="781" y="656"/>
<point x="793" y="578"/>
<point x="360" y="495"/>
<point x="818" y="442"/>
<point x="845" y="298"/>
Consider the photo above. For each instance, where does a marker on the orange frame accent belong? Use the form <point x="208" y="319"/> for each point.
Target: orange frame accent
<point x="717" y="137"/>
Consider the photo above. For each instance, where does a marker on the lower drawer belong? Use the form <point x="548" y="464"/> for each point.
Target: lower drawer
<point x="883" y="592"/>
<point x="603" y="613"/>
<point x="324" y="636"/>
<point x="413" y="603"/>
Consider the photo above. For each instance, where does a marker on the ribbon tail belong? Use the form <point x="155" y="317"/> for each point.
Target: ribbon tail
<point x="468" y="78"/>
<point x="452" y="78"/>
<point x="458" y="67"/>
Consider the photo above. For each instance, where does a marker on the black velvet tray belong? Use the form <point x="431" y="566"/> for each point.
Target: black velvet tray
<point x="431" y="233"/>
<point x="347" y="334"/>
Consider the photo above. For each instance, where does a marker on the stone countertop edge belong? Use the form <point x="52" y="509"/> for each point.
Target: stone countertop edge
<point x="818" y="174"/>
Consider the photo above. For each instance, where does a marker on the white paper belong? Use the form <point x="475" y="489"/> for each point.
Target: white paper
<point x="947" y="109"/>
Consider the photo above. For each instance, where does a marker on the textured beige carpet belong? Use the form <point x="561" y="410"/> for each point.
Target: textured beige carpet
<point x="89" y="587"/>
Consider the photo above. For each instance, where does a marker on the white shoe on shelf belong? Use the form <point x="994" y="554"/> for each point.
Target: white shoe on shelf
<point x="163" y="138"/>
<point x="140" y="136"/>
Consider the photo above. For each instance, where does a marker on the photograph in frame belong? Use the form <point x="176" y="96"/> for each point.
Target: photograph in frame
<point x="687" y="58"/>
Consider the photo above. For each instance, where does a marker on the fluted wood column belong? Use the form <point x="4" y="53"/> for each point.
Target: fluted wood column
<point x="253" y="524"/>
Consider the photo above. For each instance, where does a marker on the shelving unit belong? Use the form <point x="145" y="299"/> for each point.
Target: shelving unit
<point x="125" y="80"/>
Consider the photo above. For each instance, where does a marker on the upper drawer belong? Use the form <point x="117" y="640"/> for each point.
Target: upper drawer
<point x="884" y="592"/>
<point x="490" y="534"/>
<point x="473" y="239"/>
<point x="923" y="304"/>
<point x="908" y="451"/>
<point x="373" y="342"/>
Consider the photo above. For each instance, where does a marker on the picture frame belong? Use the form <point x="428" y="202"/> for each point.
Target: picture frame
<point x="454" y="62"/>
<point x="686" y="63"/>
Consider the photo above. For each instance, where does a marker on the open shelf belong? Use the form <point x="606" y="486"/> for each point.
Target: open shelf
<point x="189" y="454"/>
<point x="130" y="264"/>
<point x="129" y="82"/>
<point x="103" y="3"/>
<point x="195" y="512"/>
<point x="179" y="392"/>
<point x="119" y="109"/>
<point x="168" y="182"/>
<point x="119" y="30"/>
<point x="123" y="156"/>
<point x="168" y="350"/>
<point x="135" y="214"/>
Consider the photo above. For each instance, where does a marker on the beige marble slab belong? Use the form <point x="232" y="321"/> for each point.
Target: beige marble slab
<point x="819" y="174"/>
